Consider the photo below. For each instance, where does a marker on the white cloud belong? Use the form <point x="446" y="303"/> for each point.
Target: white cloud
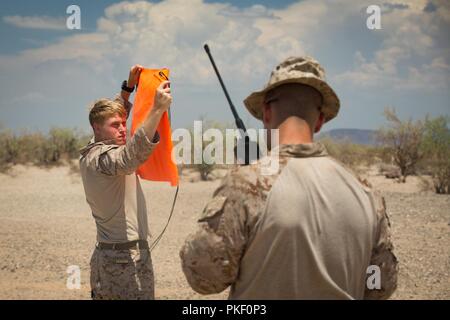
<point x="246" y="43"/>
<point x="173" y="32"/>
<point x="36" y="22"/>
<point x="411" y="52"/>
<point x="412" y="43"/>
<point x="431" y="76"/>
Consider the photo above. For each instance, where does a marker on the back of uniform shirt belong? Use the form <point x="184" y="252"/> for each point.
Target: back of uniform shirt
<point x="314" y="237"/>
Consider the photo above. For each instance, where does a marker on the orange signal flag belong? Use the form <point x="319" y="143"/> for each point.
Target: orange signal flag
<point x="159" y="166"/>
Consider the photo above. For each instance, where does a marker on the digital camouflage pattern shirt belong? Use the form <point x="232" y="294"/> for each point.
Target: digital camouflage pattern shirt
<point x="310" y="231"/>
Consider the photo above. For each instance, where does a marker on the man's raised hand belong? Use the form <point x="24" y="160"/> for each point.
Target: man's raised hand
<point x="163" y="99"/>
<point x="135" y="72"/>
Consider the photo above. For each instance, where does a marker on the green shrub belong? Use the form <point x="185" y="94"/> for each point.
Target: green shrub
<point x="205" y="168"/>
<point x="352" y="155"/>
<point x="436" y="147"/>
<point x="58" y="146"/>
<point x="402" y="139"/>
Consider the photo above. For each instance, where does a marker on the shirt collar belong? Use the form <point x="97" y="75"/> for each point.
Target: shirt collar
<point x="304" y="150"/>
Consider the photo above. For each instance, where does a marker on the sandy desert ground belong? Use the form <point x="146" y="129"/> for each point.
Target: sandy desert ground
<point x="46" y="226"/>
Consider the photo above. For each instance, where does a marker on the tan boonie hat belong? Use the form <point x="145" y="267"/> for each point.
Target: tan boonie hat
<point x="303" y="70"/>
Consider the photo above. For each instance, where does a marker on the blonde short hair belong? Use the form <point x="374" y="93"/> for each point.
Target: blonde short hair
<point x="103" y="109"/>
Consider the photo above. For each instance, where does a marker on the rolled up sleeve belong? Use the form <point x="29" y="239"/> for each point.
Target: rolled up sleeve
<point x="383" y="255"/>
<point x="211" y="256"/>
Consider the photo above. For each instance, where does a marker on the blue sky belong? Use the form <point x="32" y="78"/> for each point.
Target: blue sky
<point x="50" y="75"/>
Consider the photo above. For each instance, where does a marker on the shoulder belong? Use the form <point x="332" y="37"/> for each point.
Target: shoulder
<point x="240" y="179"/>
<point x="365" y="184"/>
<point x="91" y="154"/>
<point x="251" y="179"/>
<point x="243" y="189"/>
<point x="98" y="148"/>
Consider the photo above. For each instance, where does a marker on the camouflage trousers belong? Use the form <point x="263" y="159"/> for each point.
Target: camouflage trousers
<point x="122" y="274"/>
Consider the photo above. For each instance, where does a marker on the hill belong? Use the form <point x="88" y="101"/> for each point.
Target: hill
<point x="358" y="136"/>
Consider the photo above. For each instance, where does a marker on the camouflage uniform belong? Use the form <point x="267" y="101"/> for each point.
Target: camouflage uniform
<point x="270" y="238"/>
<point x="114" y="193"/>
<point x="122" y="274"/>
<point x="309" y="231"/>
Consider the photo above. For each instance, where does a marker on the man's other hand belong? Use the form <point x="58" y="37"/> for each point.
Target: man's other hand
<point x="163" y="99"/>
<point x="135" y="72"/>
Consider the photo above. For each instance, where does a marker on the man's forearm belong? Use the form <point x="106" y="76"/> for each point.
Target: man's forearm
<point x="125" y="95"/>
<point x="124" y="102"/>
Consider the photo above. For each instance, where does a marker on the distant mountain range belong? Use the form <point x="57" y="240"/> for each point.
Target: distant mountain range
<point x="358" y="136"/>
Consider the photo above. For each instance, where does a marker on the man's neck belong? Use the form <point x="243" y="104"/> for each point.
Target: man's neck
<point x="295" y="131"/>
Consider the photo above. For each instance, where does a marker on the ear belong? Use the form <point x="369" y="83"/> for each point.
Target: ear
<point x="267" y="115"/>
<point x="319" y="122"/>
<point x="96" y="128"/>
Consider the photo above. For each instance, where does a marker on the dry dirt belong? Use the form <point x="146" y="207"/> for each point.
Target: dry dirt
<point x="46" y="226"/>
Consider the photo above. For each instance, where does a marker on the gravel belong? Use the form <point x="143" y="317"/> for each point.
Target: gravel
<point x="46" y="226"/>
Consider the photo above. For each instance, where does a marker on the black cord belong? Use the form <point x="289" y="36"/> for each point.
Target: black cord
<point x="173" y="204"/>
<point x="168" y="220"/>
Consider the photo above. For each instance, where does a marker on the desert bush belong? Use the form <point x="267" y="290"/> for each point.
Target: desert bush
<point x="352" y="155"/>
<point x="63" y="143"/>
<point x="56" y="147"/>
<point x="205" y="168"/>
<point x="9" y="149"/>
<point x="59" y="146"/>
<point x="32" y="146"/>
<point x="436" y="147"/>
<point x="402" y="139"/>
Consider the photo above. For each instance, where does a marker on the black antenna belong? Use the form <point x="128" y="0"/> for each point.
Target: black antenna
<point x="239" y="123"/>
